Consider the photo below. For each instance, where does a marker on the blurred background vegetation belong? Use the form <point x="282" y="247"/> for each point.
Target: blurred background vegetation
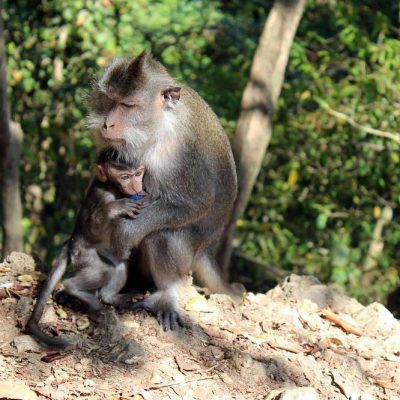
<point x="326" y="185"/>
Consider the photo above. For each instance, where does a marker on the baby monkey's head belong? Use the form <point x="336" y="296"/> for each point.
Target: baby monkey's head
<point x="112" y="167"/>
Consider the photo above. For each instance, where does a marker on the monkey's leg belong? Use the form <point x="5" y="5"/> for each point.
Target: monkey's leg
<point x="76" y="288"/>
<point x="207" y="271"/>
<point x="169" y="257"/>
<point x="93" y="273"/>
<point x="118" y="274"/>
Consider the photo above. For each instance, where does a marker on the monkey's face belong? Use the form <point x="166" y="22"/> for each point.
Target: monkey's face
<point x="129" y="181"/>
<point x="132" y="101"/>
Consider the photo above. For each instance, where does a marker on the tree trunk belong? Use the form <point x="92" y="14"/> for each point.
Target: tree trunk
<point x="10" y="149"/>
<point x="254" y="127"/>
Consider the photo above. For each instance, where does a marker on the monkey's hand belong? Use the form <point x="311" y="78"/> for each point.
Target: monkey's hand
<point x="164" y="311"/>
<point x="125" y="208"/>
<point x="154" y="215"/>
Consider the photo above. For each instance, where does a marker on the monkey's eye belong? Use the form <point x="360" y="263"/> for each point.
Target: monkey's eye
<point x="167" y="96"/>
<point x="127" y="105"/>
<point x="139" y="173"/>
<point x="124" y="177"/>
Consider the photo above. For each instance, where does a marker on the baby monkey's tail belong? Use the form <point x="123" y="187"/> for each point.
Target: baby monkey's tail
<point x="54" y="277"/>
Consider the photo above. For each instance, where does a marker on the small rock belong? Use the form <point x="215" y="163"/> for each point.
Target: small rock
<point x="9" y="300"/>
<point x="367" y="396"/>
<point x="49" y="380"/>
<point x="341" y="303"/>
<point x="226" y="378"/>
<point x="299" y="288"/>
<point x="131" y="324"/>
<point x="85" y="361"/>
<point x="82" y="323"/>
<point x="25" y="278"/>
<point x="6" y="284"/>
<point x="61" y="376"/>
<point x="252" y="298"/>
<point x="156" y="378"/>
<point x="21" y="263"/>
<point x="89" y="383"/>
<point x="61" y="313"/>
<point x="26" y="343"/>
<point x="378" y="320"/>
<point x="302" y="393"/>
<point x="392" y="344"/>
<point x="78" y="367"/>
<point x="347" y="387"/>
<point x="17" y="391"/>
<point x="49" y="316"/>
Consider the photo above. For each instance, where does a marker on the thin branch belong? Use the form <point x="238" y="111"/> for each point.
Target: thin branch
<point x="156" y="387"/>
<point x="377" y="132"/>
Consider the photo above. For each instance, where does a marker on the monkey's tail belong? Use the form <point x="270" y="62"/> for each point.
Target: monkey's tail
<point x="54" y="277"/>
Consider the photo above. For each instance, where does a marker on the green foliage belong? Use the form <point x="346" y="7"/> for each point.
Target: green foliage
<point x="323" y="184"/>
<point x="55" y="48"/>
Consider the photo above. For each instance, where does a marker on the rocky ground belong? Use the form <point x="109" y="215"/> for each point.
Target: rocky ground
<point x="301" y="340"/>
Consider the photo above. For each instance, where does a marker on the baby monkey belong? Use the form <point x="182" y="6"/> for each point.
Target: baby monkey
<point x="116" y="192"/>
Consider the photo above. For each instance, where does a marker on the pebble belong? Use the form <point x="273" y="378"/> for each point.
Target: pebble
<point x="61" y="313"/>
<point x="302" y="393"/>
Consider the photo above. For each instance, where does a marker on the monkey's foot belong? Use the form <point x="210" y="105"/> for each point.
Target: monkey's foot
<point x="167" y="317"/>
<point x="122" y="302"/>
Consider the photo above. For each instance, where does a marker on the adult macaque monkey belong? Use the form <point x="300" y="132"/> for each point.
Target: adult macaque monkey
<point x="88" y="247"/>
<point x="140" y="110"/>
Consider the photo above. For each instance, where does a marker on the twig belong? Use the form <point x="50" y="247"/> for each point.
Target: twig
<point x="290" y="349"/>
<point x="334" y="318"/>
<point x="377" y="132"/>
<point x="178" y="383"/>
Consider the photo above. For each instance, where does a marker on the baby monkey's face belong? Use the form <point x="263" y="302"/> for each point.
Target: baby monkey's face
<point x="129" y="181"/>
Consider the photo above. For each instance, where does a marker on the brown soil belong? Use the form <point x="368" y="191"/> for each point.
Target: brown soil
<point x="301" y="340"/>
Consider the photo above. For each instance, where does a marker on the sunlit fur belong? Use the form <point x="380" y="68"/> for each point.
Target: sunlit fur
<point x="148" y="126"/>
<point x="190" y="175"/>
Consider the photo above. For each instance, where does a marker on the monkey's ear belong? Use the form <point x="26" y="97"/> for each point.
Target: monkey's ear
<point x="101" y="174"/>
<point x="137" y="65"/>
<point x="171" y="96"/>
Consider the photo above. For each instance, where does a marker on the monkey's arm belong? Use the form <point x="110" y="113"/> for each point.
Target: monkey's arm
<point x="178" y="211"/>
<point x="102" y="216"/>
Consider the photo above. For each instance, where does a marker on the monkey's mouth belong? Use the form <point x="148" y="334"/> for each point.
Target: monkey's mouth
<point x="115" y="141"/>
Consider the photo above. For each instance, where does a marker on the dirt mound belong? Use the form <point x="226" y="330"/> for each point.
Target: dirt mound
<point x="301" y="340"/>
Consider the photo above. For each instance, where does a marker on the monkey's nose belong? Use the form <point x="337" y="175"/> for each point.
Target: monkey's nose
<point x="107" y="125"/>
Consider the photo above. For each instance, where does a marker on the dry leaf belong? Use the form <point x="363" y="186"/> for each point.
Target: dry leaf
<point x="25" y="278"/>
<point x="185" y="364"/>
<point x="335" y="319"/>
<point x="52" y="356"/>
<point x="386" y="383"/>
<point x="256" y="339"/>
<point x="200" y="304"/>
